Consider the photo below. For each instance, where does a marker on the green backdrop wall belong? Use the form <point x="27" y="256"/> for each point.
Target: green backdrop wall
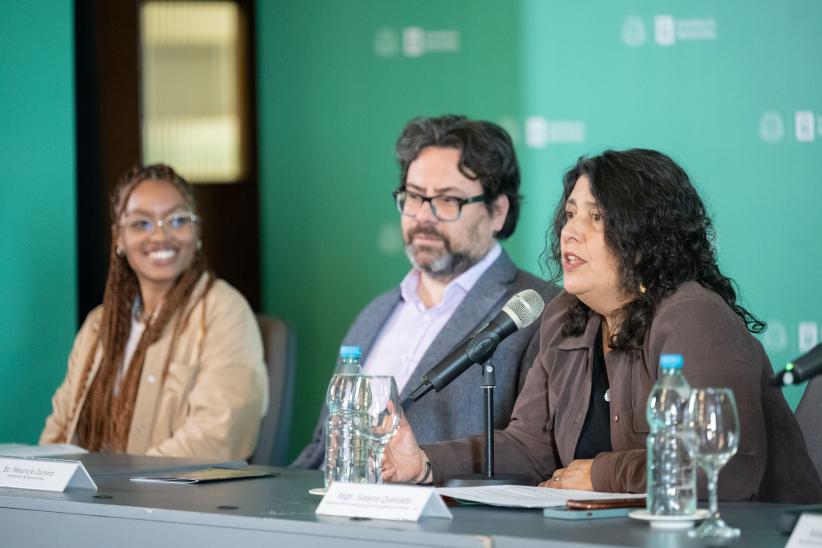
<point x="37" y="224"/>
<point x="730" y="91"/>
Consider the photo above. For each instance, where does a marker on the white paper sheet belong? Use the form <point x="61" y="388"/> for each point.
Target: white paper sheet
<point x="522" y="496"/>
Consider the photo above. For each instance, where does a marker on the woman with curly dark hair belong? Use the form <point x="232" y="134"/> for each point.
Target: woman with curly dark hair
<point x="171" y="363"/>
<point x="634" y="247"/>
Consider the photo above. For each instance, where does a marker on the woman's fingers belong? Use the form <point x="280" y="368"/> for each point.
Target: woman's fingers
<point x="555" y="480"/>
<point x="577" y="475"/>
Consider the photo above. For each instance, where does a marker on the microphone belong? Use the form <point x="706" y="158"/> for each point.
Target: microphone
<point x="801" y="369"/>
<point x="520" y="311"/>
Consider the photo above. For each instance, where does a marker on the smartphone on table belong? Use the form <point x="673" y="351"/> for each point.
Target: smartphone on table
<point x="594" y="508"/>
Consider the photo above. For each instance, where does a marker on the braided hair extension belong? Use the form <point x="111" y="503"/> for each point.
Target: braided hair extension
<point x="105" y="418"/>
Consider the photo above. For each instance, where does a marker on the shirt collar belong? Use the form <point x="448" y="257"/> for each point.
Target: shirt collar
<point x="464" y="282"/>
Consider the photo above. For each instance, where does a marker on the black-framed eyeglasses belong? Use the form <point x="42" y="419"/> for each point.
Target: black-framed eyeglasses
<point x="444" y="208"/>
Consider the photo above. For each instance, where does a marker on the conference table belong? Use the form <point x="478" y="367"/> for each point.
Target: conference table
<point x="279" y="511"/>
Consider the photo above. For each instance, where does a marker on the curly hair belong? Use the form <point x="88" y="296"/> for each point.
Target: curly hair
<point x="486" y="155"/>
<point x="106" y="415"/>
<point x="657" y="228"/>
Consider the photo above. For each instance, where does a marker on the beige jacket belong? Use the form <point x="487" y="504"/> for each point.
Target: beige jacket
<point x="214" y="395"/>
<point x="771" y="465"/>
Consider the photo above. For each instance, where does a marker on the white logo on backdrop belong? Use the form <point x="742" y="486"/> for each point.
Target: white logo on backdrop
<point x="669" y="30"/>
<point x="771" y="126"/>
<point x="536" y="131"/>
<point x="413" y="41"/>
<point x="539" y="132"/>
<point x="416" y="41"/>
<point x="386" y="42"/>
<point x="389" y="239"/>
<point x="633" y="31"/>
<point x="808" y="335"/>
<point x="775" y="339"/>
<point x="442" y="40"/>
<point x="805" y="126"/>
<point x="696" y="29"/>
<point x="664" y="30"/>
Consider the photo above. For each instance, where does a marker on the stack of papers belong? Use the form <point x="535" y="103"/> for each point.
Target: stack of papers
<point x="521" y="496"/>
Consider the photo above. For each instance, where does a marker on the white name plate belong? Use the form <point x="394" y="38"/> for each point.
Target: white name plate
<point x="394" y="502"/>
<point x="44" y="474"/>
<point x="807" y="532"/>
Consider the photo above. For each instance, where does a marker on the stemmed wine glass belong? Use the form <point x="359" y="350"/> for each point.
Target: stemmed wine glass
<point x="378" y="409"/>
<point x="713" y="439"/>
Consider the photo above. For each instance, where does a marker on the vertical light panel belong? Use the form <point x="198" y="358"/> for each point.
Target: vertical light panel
<point x="192" y="111"/>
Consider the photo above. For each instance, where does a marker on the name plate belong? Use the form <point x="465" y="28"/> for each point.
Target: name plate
<point x="393" y="502"/>
<point x="44" y="474"/>
<point x="807" y="532"/>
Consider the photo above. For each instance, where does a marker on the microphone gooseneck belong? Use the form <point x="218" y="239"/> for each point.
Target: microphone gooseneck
<point x="520" y="311"/>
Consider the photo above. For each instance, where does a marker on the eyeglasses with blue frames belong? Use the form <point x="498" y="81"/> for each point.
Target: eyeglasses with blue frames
<point x="444" y="208"/>
<point x="178" y="224"/>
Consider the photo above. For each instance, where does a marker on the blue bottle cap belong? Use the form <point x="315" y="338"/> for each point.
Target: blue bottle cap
<point x="671" y="361"/>
<point x="350" y="352"/>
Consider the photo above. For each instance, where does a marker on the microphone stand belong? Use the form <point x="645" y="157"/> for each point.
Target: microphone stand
<point x="489" y="382"/>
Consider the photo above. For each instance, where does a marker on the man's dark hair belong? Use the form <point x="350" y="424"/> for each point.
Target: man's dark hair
<point x="657" y="228"/>
<point x="486" y="155"/>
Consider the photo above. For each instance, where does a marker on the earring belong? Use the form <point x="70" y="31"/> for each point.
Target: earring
<point x="199" y="245"/>
<point x="642" y="289"/>
<point x="121" y="252"/>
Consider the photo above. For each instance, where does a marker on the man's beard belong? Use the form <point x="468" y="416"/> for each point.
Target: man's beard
<point x="444" y="264"/>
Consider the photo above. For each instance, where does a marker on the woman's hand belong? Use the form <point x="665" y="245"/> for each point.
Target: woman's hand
<point x="403" y="459"/>
<point x="577" y="475"/>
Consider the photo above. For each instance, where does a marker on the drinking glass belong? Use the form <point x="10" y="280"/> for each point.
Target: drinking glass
<point x="714" y="437"/>
<point x="378" y="409"/>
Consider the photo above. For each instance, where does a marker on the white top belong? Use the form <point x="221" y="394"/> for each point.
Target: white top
<point x="137" y="328"/>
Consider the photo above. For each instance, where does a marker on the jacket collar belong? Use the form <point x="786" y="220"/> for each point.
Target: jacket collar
<point x="586" y="339"/>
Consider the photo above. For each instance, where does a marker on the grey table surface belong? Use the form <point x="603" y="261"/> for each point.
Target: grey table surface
<point x="279" y="511"/>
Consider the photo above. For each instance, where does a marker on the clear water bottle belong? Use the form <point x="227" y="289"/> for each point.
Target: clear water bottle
<point x="671" y="479"/>
<point x="346" y="453"/>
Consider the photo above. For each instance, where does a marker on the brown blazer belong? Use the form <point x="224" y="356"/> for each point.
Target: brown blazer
<point x="772" y="463"/>
<point x="214" y="395"/>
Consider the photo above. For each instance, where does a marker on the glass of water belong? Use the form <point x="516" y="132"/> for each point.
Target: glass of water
<point x="379" y="411"/>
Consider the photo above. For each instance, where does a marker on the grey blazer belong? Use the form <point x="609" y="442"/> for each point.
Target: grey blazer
<point x="457" y="410"/>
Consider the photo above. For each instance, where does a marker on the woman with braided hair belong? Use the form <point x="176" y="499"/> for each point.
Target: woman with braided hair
<point x="171" y="363"/>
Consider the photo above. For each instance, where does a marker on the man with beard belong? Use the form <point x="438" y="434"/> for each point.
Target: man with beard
<point x="458" y="195"/>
